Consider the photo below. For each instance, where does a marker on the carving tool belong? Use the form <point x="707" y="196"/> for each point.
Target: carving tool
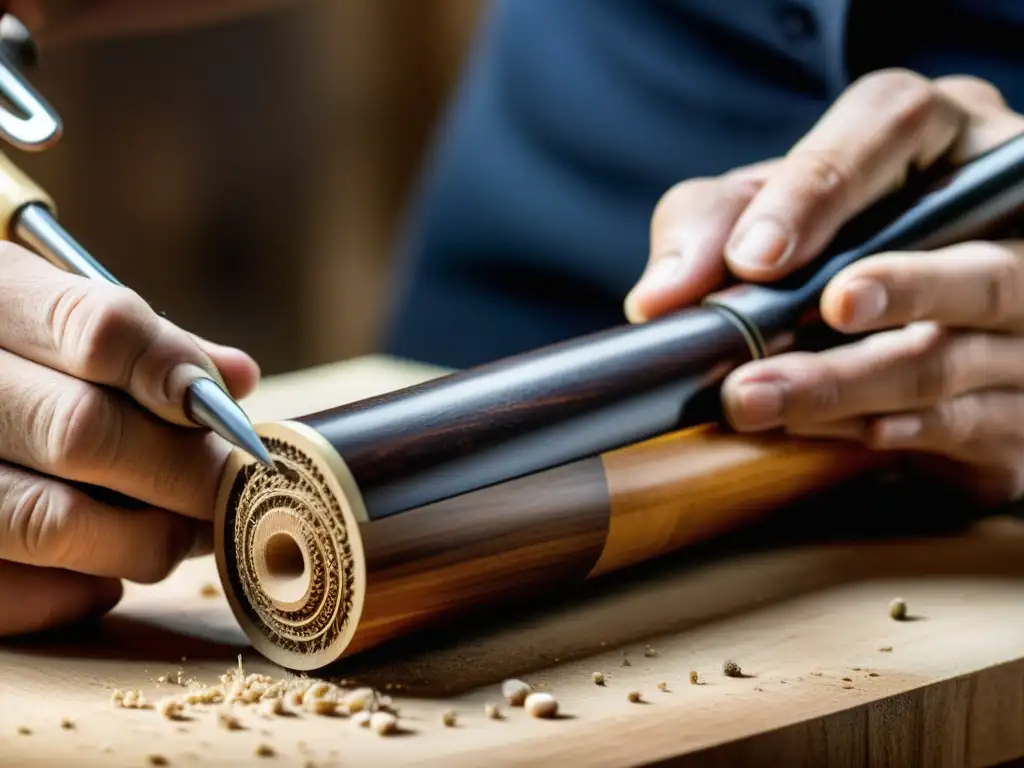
<point x="537" y="472"/>
<point x="27" y="216"/>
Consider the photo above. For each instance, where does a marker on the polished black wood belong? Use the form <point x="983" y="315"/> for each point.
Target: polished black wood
<point x="531" y="412"/>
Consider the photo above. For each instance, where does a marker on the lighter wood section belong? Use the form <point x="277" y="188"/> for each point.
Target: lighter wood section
<point x="16" y="191"/>
<point x="688" y="486"/>
<point x="951" y="692"/>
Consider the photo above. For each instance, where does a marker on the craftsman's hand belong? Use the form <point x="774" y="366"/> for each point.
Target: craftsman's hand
<point x="92" y="386"/>
<point x="944" y="374"/>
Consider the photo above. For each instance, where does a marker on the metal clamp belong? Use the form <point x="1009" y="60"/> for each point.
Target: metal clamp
<point x="38" y="126"/>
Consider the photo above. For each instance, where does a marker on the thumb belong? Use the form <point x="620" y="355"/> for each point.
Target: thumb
<point x="689" y="230"/>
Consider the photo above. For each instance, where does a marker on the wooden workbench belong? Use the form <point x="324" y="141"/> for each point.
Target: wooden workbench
<point x="805" y="619"/>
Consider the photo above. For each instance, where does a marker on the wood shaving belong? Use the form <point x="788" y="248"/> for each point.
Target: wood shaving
<point x="24" y="730"/>
<point x="541" y="705"/>
<point x="885" y="649"/>
<point x="361" y="719"/>
<point x="662" y="686"/>
<point x="319" y="690"/>
<point x="515" y="692"/>
<point x="228" y="721"/>
<point x="898" y="609"/>
<point x="322" y="706"/>
<point x="172" y="709"/>
<point x="731" y="669"/>
<point x="264" y="750"/>
<point x="209" y="590"/>
<point x="273" y="706"/>
<point x="359" y="700"/>
<point x="694" y="677"/>
<point x="384" y="723"/>
<point x="130" y="699"/>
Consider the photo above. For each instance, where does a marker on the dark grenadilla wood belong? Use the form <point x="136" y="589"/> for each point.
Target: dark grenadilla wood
<point x="530" y="412"/>
<point x="580" y="398"/>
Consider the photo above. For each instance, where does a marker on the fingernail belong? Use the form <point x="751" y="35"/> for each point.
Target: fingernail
<point x="868" y="301"/>
<point x="661" y="273"/>
<point x="763" y="244"/>
<point x="899" y="430"/>
<point x="758" y="404"/>
<point x="179" y="379"/>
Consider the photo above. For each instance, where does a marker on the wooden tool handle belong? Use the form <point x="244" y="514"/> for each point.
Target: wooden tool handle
<point x="16" y="191"/>
<point x="312" y="578"/>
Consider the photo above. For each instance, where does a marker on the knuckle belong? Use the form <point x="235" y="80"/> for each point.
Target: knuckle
<point x="822" y="394"/>
<point x="908" y="98"/>
<point x="42" y="522"/>
<point x="90" y="322"/>
<point x="971" y="89"/>
<point x="1000" y="283"/>
<point x="936" y="370"/>
<point x="81" y="427"/>
<point x="962" y="421"/>
<point x="824" y="173"/>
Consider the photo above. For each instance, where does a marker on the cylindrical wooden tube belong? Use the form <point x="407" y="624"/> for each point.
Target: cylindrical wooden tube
<point x="311" y="578"/>
<point x="552" y="466"/>
<point x="533" y="411"/>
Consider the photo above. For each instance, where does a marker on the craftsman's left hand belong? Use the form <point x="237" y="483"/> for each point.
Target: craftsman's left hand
<point x="944" y="374"/>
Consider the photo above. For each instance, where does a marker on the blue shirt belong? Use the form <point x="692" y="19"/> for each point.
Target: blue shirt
<point x="575" y="116"/>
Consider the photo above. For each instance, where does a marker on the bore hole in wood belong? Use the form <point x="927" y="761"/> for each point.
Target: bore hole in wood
<point x="287" y="577"/>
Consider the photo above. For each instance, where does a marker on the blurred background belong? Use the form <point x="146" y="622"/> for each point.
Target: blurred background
<point x="250" y="179"/>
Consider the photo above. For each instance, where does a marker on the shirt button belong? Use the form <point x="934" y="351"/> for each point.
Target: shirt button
<point x="797" y="21"/>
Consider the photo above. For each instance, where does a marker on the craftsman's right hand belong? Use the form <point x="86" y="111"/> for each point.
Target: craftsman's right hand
<point x="92" y="387"/>
<point x="940" y="376"/>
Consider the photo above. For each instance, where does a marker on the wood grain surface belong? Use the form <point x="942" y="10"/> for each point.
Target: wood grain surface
<point x="800" y="603"/>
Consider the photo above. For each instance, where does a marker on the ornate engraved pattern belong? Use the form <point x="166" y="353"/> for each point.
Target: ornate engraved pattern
<point x="298" y="489"/>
